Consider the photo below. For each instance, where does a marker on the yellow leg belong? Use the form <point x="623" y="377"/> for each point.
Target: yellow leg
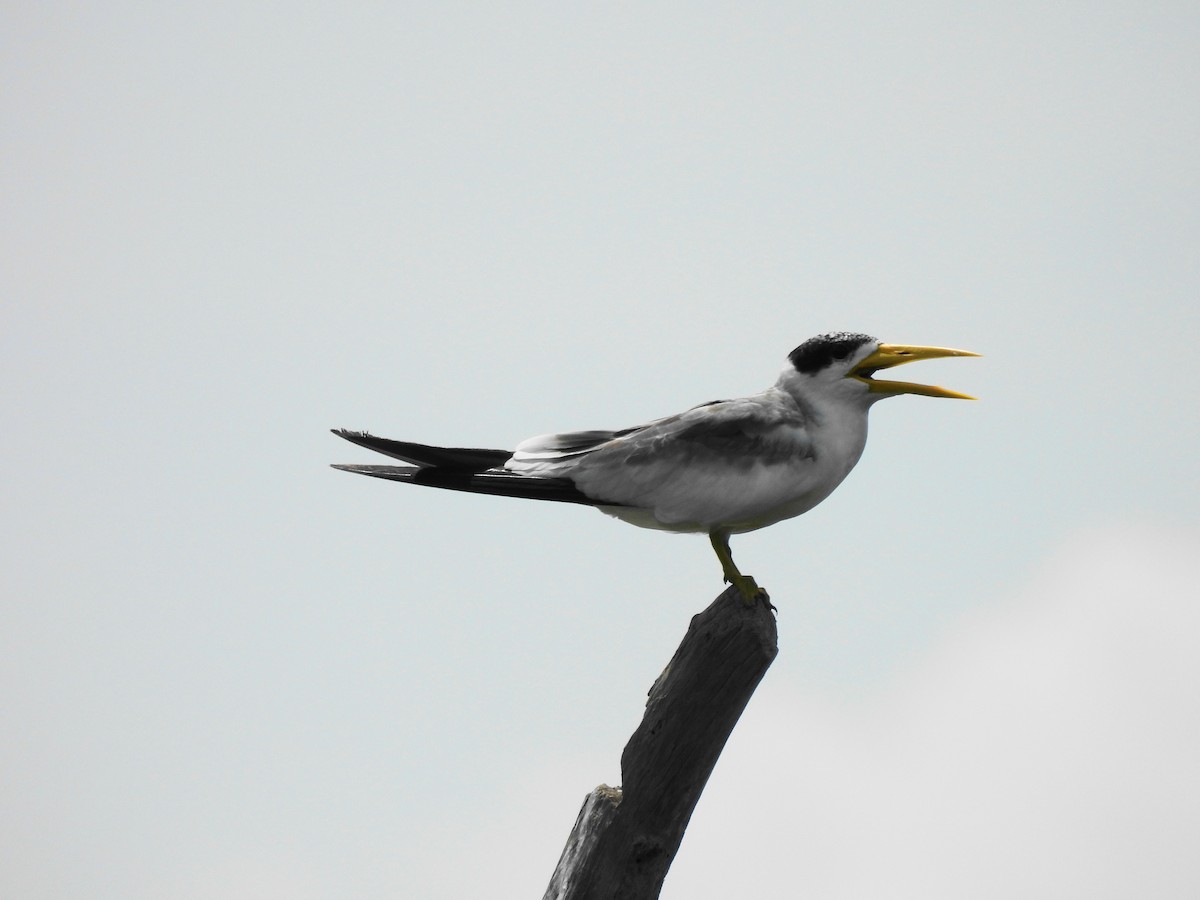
<point x="745" y="584"/>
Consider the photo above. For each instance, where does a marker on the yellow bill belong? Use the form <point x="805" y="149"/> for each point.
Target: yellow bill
<point x="889" y="355"/>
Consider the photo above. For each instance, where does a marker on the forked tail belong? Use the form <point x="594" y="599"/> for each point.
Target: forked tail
<point x="476" y="471"/>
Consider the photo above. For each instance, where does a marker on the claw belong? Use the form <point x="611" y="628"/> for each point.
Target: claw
<point x="751" y="592"/>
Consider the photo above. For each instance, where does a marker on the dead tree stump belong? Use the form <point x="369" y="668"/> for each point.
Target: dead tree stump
<point x="625" y="838"/>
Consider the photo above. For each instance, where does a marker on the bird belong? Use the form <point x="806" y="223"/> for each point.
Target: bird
<point x="721" y="468"/>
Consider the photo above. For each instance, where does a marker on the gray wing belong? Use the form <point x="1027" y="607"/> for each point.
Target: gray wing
<point x="684" y="465"/>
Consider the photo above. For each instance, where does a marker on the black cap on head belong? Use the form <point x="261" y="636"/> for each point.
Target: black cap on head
<point x="821" y="351"/>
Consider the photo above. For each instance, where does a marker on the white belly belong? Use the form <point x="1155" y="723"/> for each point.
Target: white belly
<point x="742" y="500"/>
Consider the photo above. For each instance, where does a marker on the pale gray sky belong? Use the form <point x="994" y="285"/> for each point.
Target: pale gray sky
<point x="229" y="671"/>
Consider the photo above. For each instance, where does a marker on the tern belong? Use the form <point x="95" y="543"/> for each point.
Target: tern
<point x="722" y="468"/>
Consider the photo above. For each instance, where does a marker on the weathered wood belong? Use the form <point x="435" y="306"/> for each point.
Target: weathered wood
<point x="625" y="838"/>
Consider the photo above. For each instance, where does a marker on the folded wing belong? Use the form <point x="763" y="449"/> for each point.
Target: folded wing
<point x="694" y="467"/>
<point x="726" y="461"/>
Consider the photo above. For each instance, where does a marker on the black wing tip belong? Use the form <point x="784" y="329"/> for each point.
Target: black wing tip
<point x="472" y="459"/>
<point x="348" y="467"/>
<point x="390" y="473"/>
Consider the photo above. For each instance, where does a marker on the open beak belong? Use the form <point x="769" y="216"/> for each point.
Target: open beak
<point x="889" y="355"/>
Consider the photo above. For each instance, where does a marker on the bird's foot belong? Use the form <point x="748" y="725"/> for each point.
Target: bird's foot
<point x="750" y="591"/>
